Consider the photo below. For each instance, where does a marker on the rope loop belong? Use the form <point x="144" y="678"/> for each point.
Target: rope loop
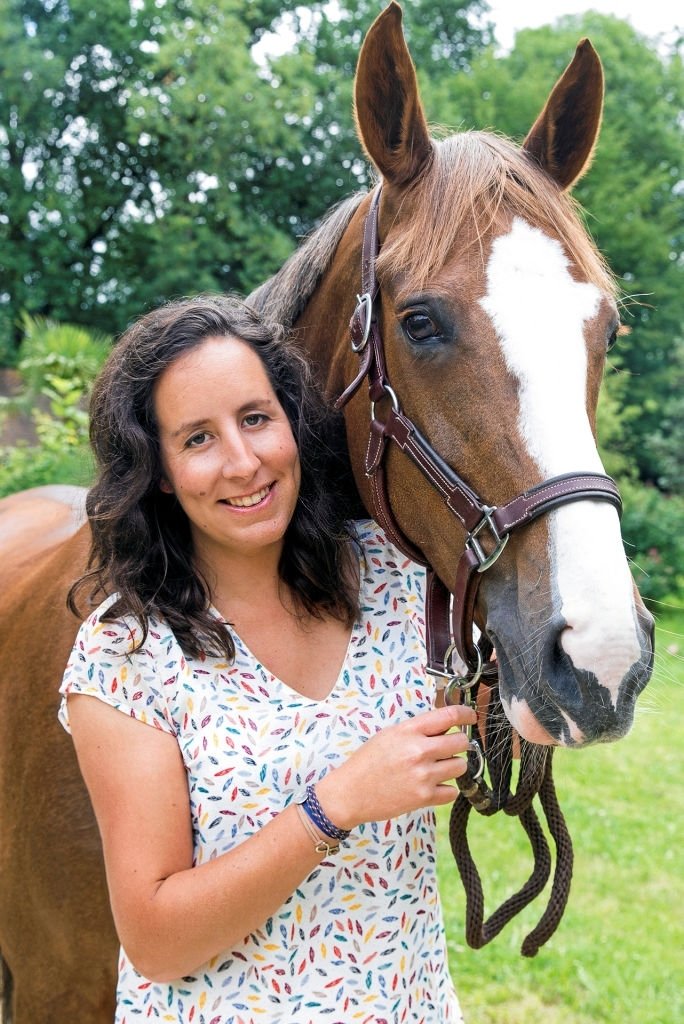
<point x="535" y="778"/>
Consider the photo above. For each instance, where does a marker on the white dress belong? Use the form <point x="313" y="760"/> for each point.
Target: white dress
<point x="361" y="940"/>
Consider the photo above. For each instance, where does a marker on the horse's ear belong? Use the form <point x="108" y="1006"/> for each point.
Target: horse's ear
<point x="389" y="115"/>
<point x="562" y="138"/>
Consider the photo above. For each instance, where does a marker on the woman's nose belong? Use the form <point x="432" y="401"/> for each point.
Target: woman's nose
<point x="239" y="459"/>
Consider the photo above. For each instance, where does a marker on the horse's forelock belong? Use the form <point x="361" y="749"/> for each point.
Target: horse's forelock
<point x="472" y="177"/>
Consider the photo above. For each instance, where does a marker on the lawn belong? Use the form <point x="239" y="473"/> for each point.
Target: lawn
<point x="618" y="954"/>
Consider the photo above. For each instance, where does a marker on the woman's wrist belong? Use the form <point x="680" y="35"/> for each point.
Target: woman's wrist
<point x="311" y="806"/>
<point x="334" y="802"/>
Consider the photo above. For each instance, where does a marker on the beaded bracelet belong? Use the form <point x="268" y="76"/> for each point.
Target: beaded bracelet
<point x="312" y="807"/>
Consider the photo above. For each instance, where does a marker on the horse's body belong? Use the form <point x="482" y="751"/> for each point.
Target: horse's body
<point x="495" y="311"/>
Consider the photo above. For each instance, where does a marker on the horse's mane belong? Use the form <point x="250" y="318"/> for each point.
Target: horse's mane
<point x="470" y="178"/>
<point x="284" y="296"/>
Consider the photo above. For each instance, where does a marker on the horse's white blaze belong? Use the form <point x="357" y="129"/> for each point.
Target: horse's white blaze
<point x="538" y="311"/>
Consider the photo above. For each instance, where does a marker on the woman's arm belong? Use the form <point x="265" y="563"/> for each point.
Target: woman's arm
<point x="172" y="917"/>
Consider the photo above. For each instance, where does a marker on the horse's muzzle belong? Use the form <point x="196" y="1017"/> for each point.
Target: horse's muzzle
<point x="549" y="700"/>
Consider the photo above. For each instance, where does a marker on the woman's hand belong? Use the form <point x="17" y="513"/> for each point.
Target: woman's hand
<point x="401" y="768"/>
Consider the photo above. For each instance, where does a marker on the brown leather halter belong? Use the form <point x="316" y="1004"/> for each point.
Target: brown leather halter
<point x="488" y="527"/>
<point x="450" y="616"/>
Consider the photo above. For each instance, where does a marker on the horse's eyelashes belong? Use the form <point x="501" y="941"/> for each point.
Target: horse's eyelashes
<point x="419" y="327"/>
<point x="618" y="330"/>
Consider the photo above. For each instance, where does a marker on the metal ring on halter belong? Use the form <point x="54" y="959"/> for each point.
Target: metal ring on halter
<point x="364" y="300"/>
<point x="395" y="400"/>
<point x="460" y="683"/>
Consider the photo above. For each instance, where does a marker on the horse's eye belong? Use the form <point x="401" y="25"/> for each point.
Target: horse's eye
<point x="614" y="335"/>
<point x="420" y="327"/>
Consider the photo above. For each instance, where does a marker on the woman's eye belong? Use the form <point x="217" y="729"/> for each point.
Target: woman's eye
<point x="419" y="327"/>
<point x="254" y="419"/>
<point x="197" y="439"/>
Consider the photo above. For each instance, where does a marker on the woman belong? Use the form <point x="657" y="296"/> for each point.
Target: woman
<point x="265" y="797"/>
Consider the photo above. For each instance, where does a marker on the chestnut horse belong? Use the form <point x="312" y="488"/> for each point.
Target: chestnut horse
<point x="496" y="312"/>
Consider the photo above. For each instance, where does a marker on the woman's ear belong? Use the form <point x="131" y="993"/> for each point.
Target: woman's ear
<point x="165" y="486"/>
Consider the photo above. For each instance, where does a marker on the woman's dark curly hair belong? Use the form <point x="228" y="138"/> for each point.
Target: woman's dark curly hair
<point x="141" y="547"/>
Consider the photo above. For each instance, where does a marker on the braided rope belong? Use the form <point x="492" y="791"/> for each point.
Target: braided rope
<point x="534" y="778"/>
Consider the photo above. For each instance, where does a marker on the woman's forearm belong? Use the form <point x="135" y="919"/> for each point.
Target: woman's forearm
<point x="197" y="913"/>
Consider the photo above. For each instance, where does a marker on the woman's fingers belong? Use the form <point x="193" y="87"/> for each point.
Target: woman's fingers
<point x="449" y="744"/>
<point x="440" y="720"/>
<point x="401" y="768"/>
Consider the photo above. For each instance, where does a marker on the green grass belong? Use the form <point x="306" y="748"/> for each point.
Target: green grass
<point x="618" y="953"/>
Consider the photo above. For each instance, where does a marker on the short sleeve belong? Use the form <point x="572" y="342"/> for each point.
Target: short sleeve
<point x="103" y="664"/>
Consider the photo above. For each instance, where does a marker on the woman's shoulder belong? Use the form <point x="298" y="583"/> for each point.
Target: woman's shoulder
<point x="122" y="633"/>
<point x="114" y="660"/>
<point x="380" y="554"/>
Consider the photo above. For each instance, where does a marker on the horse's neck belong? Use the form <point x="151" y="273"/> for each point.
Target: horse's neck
<point x="323" y="326"/>
<point x="323" y="332"/>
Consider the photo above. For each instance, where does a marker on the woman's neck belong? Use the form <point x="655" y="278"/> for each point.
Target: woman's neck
<point x="244" y="586"/>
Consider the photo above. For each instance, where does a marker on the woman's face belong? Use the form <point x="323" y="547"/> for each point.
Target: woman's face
<point x="227" y="449"/>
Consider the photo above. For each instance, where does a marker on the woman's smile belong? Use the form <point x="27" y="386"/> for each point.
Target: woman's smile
<point x="249" y="500"/>
<point x="227" y="449"/>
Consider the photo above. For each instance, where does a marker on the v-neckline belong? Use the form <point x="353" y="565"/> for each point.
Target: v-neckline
<point x="249" y="654"/>
<point x="353" y="633"/>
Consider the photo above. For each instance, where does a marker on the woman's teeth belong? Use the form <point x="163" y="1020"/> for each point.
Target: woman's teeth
<point x="252" y="499"/>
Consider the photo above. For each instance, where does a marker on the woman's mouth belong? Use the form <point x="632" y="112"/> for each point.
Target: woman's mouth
<point x="248" y="500"/>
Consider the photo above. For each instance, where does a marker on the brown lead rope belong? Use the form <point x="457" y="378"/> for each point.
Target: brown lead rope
<point x="535" y="777"/>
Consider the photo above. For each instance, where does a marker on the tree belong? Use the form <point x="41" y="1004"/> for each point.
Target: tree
<point x="67" y="169"/>
<point x="144" y="152"/>
<point x="114" y="120"/>
<point x="322" y="161"/>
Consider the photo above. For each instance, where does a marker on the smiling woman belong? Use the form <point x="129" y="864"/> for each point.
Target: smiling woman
<point x="228" y="456"/>
<point x="246" y="615"/>
<point x="183" y="459"/>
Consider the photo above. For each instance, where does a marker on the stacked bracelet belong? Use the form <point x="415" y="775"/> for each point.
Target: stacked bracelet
<point x="320" y="845"/>
<point x="320" y="819"/>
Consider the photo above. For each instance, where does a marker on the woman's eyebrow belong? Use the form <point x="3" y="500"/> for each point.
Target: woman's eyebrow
<point x="245" y="407"/>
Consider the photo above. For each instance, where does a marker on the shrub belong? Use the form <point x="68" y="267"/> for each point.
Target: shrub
<point x="654" y="540"/>
<point x="57" y="364"/>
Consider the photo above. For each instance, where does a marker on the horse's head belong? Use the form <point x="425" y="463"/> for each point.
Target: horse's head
<point x="496" y="315"/>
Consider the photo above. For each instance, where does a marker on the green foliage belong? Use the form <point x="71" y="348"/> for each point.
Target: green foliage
<point x="654" y="541"/>
<point x="146" y="154"/>
<point x="67" y="350"/>
<point x="612" y="421"/>
<point x="651" y="521"/>
<point x="58" y="364"/>
<point x="126" y="147"/>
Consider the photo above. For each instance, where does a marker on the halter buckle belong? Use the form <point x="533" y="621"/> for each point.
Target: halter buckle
<point x="366" y="303"/>
<point x="486" y="560"/>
